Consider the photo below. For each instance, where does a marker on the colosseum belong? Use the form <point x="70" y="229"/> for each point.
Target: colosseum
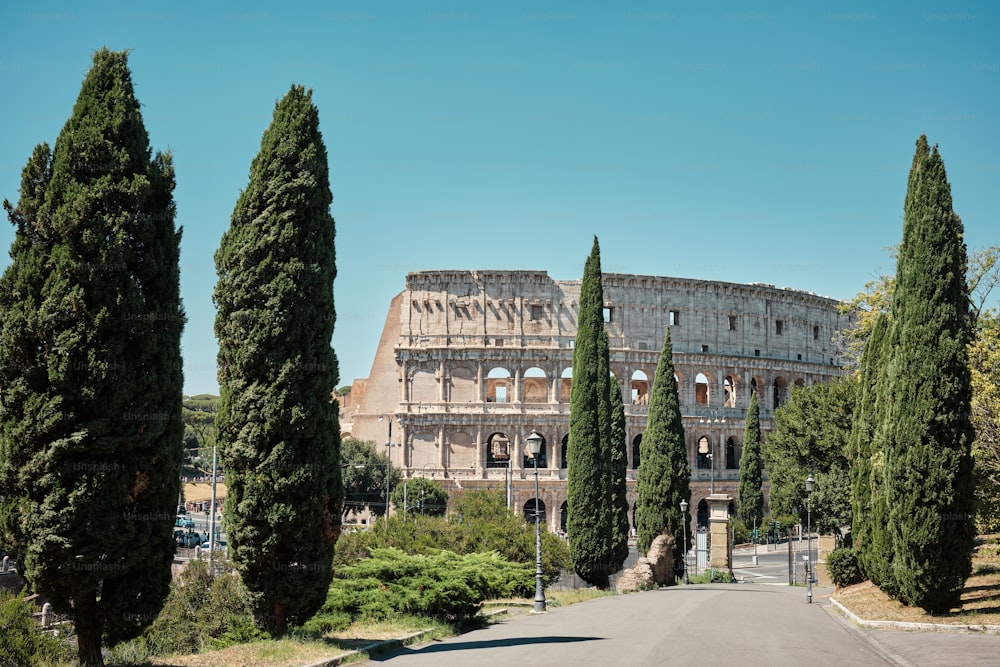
<point x="470" y="362"/>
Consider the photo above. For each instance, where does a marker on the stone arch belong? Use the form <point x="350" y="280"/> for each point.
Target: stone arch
<point x="499" y="387"/>
<point x="463" y="385"/>
<point x="534" y="510"/>
<point x="732" y="457"/>
<point x="639" y="390"/>
<point x="703" y="389"/>
<point x="461" y="450"/>
<point x="424" y="386"/>
<point x="636" y="441"/>
<point x="562" y="451"/>
<point x="536" y="386"/>
<point x="565" y="384"/>
<point x="543" y="455"/>
<point x="704" y="453"/>
<point x="563" y="515"/>
<point x="703" y="513"/>
<point x="729" y="386"/>
<point x="780" y="391"/>
<point x="498" y="446"/>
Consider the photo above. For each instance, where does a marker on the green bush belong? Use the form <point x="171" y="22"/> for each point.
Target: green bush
<point x="842" y="564"/>
<point x="21" y="639"/>
<point x="741" y="534"/>
<point x="203" y="610"/>
<point x="441" y="585"/>
<point x="481" y="522"/>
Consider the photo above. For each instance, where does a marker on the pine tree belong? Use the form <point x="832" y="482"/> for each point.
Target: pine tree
<point x="90" y="417"/>
<point x="750" y="496"/>
<point x="664" y="477"/>
<point x="619" y="469"/>
<point x="591" y="507"/>
<point x="928" y="463"/>
<point x="277" y="424"/>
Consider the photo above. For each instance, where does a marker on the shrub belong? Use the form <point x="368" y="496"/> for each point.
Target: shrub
<point x="842" y="564"/>
<point x="741" y="534"/>
<point x="21" y="640"/>
<point x="441" y="585"/>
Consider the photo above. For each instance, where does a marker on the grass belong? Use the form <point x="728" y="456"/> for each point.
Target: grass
<point x="980" y="602"/>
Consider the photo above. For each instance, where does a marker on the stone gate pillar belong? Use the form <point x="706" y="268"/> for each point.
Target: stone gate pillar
<point x="721" y="556"/>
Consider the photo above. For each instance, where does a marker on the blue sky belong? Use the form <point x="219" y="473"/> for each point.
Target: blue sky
<point x="729" y="141"/>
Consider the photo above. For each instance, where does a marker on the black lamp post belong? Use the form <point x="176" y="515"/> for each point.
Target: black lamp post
<point x="685" y="519"/>
<point x="535" y="447"/>
<point x="810" y="485"/>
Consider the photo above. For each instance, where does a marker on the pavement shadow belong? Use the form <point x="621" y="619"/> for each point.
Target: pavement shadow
<point x="493" y="643"/>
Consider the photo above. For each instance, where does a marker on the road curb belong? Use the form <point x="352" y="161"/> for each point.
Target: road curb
<point x="907" y="625"/>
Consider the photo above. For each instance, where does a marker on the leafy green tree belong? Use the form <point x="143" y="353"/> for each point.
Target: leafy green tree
<point x="364" y="474"/>
<point x="664" y="477"/>
<point x="592" y="509"/>
<point x="750" y="502"/>
<point x="810" y="437"/>
<point x="423" y="496"/>
<point x="90" y="413"/>
<point x="21" y="643"/>
<point x="928" y="463"/>
<point x="984" y="364"/>
<point x="277" y="424"/>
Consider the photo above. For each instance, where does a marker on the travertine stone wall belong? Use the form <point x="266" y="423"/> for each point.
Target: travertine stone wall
<point x="470" y="362"/>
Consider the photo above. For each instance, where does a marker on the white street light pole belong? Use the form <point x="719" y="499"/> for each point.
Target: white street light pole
<point x="685" y="520"/>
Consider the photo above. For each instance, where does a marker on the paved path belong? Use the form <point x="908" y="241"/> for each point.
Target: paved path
<point x="705" y="625"/>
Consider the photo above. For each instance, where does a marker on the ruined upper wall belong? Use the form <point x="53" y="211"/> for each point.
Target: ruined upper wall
<point x="529" y="309"/>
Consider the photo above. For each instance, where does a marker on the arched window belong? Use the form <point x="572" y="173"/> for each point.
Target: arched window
<point x="780" y="391"/>
<point x="497" y="450"/>
<point x="640" y="388"/>
<point x="636" y="442"/>
<point x="536" y="387"/>
<point x="729" y="387"/>
<point x="562" y="453"/>
<point x="732" y="460"/>
<point x="498" y="385"/>
<point x="701" y="392"/>
<point x="563" y="516"/>
<point x="703" y="514"/>
<point x="704" y="453"/>
<point x="534" y="510"/>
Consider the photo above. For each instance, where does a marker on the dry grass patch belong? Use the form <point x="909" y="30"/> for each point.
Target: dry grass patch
<point x="276" y="653"/>
<point x="980" y="599"/>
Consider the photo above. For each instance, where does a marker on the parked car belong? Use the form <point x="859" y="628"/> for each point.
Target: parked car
<point x="184" y="522"/>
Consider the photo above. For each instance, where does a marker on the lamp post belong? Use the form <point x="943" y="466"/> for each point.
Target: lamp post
<point x="535" y="447"/>
<point x="388" y="466"/>
<point x="714" y="419"/>
<point x="810" y="485"/>
<point x="685" y="519"/>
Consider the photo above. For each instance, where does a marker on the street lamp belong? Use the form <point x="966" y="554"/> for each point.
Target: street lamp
<point x="388" y="466"/>
<point x="685" y="519"/>
<point x="810" y="485"/>
<point x="535" y="447"/>
<point x="714" y="419"/>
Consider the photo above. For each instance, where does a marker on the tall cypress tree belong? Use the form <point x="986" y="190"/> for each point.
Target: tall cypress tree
<point x="928" y="463"/>
<point x="590" y="496"/>
<point x="664" y="477"/>
<point x="619" y="470"/>
<point x="90" y="417"/>
<point x="750" y="496"/>
<point x="867" y="464"/>
<point x="277" y="423"/>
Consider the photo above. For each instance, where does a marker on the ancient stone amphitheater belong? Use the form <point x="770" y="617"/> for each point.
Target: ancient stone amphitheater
<point x="470" y="362"/>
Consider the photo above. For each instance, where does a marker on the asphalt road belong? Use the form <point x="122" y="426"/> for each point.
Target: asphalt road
<point x="705" y="625"/>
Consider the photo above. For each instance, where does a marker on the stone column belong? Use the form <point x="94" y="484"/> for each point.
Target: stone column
<point x="404" y="390"/>
<point x="444" y="448"/>
<point x="721" y="557"/>
<point x="480" y="384"/>
<point x="480" y="452"/>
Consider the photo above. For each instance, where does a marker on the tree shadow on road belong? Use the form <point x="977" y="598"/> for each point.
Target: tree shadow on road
<point x="493" y="643"/>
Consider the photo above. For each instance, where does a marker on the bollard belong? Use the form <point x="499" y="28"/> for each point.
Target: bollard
<point x="46" y="615"/>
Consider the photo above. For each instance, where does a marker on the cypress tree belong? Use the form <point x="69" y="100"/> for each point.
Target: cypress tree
<point x="90" y="418"/>
<point x="927" y="450"/>
<point x="750" y="496"/>
<point x="619" y="470"/>
<point x="868" y="505"/>
<point x="277" y="424"/>
<point x="590" y="497"/>
<point x="664" y="477"/>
